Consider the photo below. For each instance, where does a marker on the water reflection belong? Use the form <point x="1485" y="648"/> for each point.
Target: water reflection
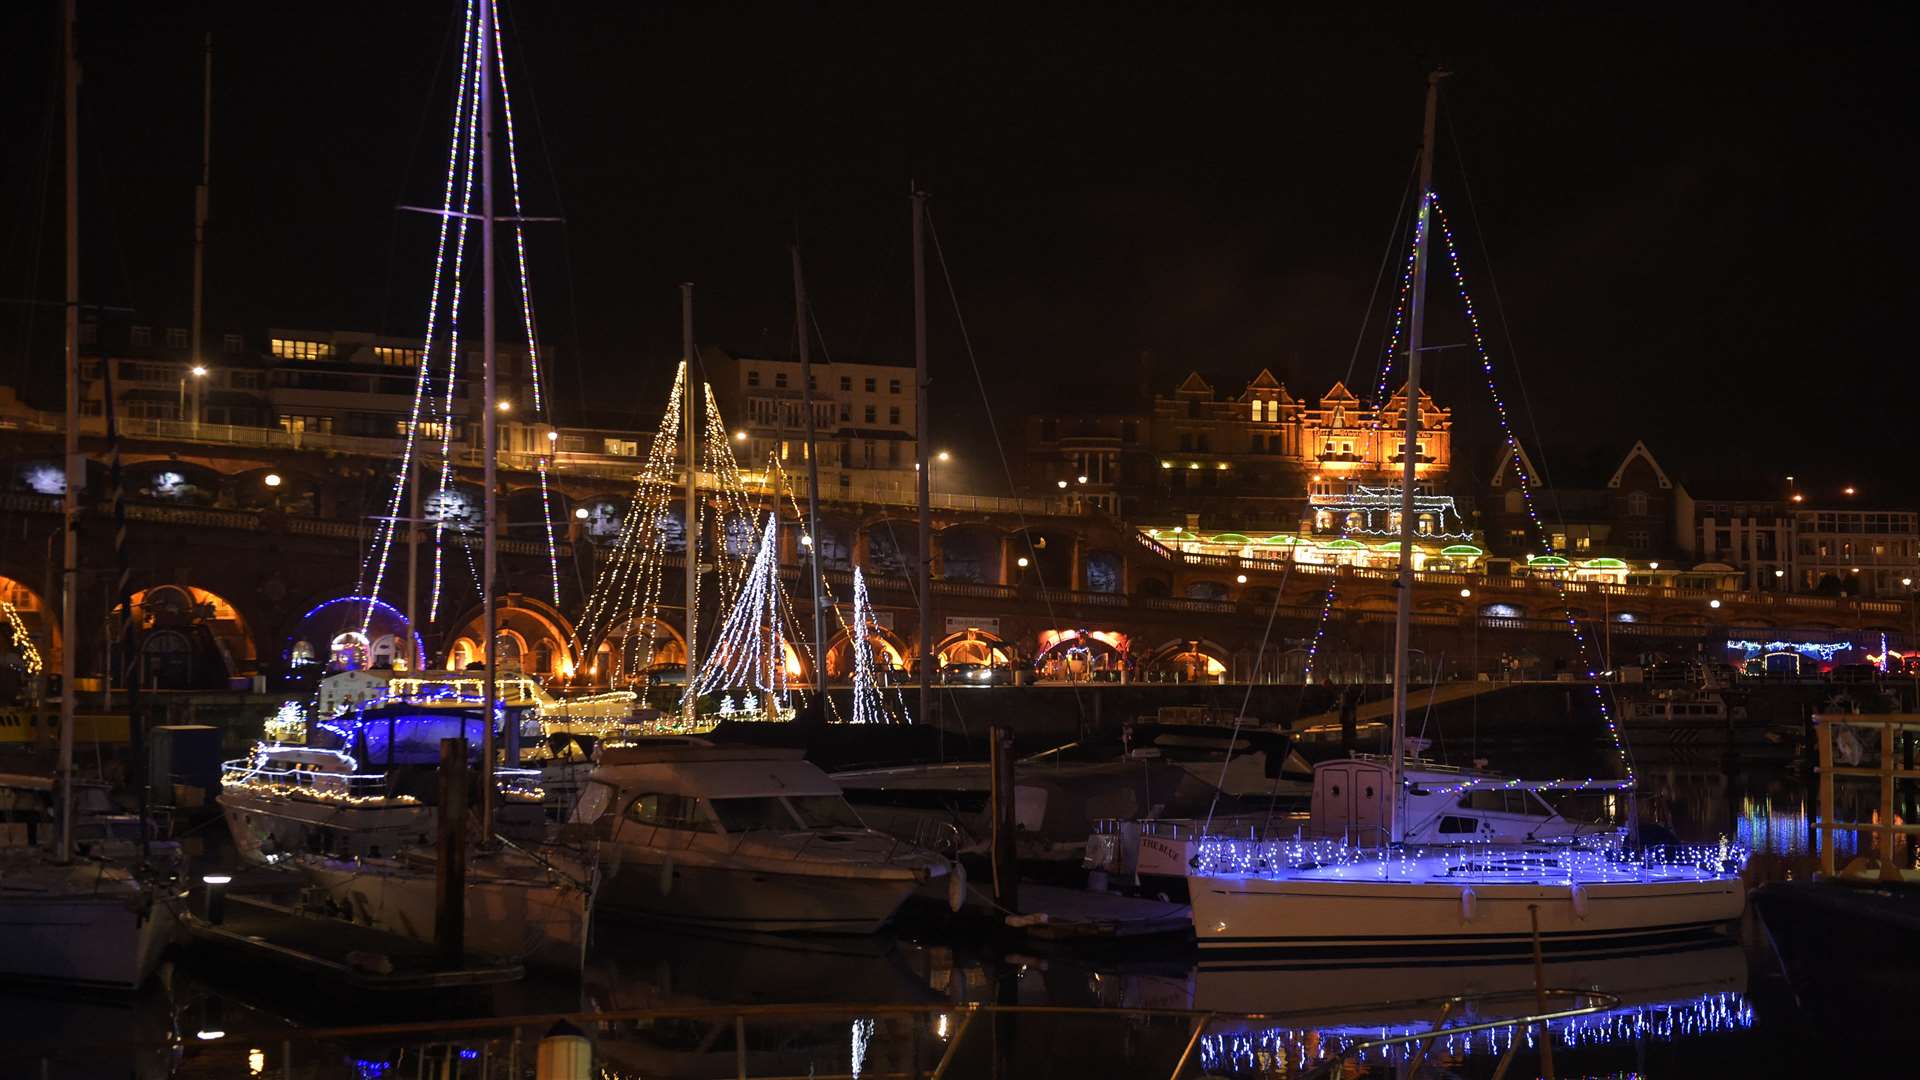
<point x="1309" y="1012"/>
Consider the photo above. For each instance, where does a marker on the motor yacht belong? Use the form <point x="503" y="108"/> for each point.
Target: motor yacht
<point x="364" y="784"/>
<point x="740" y="838"/>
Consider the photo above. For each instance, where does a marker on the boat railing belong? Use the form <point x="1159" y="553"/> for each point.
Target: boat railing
<point x="353" y="787"/>
<point x="890" y="1040"/>
<point x="1885" y="825"/>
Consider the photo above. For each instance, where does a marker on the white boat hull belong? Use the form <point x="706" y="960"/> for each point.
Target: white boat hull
<point x="1248" y="915"/>
<point x="107" y="941"/>
<point x="536" y="920"/>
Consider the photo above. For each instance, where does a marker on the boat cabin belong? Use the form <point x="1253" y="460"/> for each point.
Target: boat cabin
<point x="1350" y="799"/>
<point x="690" y="787"/>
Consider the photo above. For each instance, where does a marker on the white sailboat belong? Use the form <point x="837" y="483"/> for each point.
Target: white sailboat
<point x="1352" y="894"/>
<point x="66" y="918"/>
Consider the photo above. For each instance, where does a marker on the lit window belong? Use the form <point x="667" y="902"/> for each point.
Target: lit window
<point x="393" y="357"/>
<point x="294" y="349"/>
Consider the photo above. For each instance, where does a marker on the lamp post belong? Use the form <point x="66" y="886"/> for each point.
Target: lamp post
<point x="198" y="373"/>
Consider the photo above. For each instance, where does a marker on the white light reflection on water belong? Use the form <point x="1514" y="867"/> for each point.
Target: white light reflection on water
<point x="1261" y="1052"/>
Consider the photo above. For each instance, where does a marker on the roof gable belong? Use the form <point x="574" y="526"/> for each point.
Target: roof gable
<point x="1641" y="452"/>
<point x="1194" y="385"/>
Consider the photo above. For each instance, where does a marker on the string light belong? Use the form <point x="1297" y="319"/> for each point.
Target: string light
<point x="463" y="160"/>
<point x="749" y="652"/>
<point x="1518" y="460"/>
<point x="1293" y="1051"/>
<point x="457" y="142"/>
<point x="1823" y="650"/>
<point x="23" y="641"/>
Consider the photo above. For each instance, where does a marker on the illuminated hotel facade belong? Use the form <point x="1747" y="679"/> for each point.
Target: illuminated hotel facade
<point x="1247" y="461"/>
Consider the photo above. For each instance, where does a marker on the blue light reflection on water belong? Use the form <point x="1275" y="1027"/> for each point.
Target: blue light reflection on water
<point x="1263" y="1052"/>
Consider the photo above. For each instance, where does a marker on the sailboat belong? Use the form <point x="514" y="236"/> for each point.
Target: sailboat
<point x="527" y="903"/>
<point x="1255" y="896"/>
<point x="67" y="918"/>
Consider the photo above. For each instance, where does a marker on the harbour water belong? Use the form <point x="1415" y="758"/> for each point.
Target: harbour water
<point x="985" y="1004"/>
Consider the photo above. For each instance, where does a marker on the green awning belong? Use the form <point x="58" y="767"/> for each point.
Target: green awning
<point x="1462" y="550"/>
<point x="1547" y="560"/>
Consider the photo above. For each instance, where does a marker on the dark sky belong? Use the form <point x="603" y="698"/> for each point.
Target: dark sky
<point x="1697" y="225"/>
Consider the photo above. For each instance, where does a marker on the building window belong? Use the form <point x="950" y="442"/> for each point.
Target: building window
<point x="753" y="377"/>
<point x="893" y="414"/>
<point x="393" y="357"/>
<point x="870" y="411"/>
<point x="1259" y="443"/>
<point x="1637" y="540"/>
<point x="1583" y="543"/>
<point x="142" y="336"/>
<point x="1186" y="440"/>
<point x="176" y="338"/>
<point x="846" y="382"/>
<point x="298" y="424"/>
<point x="893" y="453"/>
<point x="846" y="412"/>
<point x="893" y="386"/>
<point x="1637" y="504"/>
<point x="293" y="349"/>
<point x="780" y="380"/>
<point x="870" y="384"/>
<point x="232" y="343"/>
<point x="89" y="333"/>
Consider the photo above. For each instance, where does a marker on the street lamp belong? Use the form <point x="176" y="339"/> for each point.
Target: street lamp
<point x="1022" y="562"/>
<point x="740" y="436"/>
<point x="504" y="406"/>
<point x="1083" y="480"/>
<point x="1715" y="604"/>
<point x="1464" y="593"/>
<point x="271" y="479"/>
<point x="1242" y="579"/>
<point x="580" y="513"/>
<point x="198" y="372"/>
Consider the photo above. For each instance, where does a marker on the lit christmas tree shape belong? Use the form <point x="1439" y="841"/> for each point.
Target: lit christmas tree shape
<point x="750" y="651"/>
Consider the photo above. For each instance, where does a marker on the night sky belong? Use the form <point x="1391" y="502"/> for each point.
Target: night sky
<point x="1696" y="226"/>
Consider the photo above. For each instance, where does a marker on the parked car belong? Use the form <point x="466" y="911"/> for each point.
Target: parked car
<point x="970" y="674"/>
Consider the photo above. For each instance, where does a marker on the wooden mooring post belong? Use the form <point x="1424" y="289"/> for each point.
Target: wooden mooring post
<point x="450" y="880"/>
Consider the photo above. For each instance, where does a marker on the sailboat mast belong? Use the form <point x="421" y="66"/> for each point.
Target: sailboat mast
<point x="489" y="423"/>
<point x="76" y="465"/>
<point x="200" y="231"/>
<point x="689" y="428"/>
<point x="813" y="476"/>
<point x="1410" y="454"/>
<point x="923" y="572"/>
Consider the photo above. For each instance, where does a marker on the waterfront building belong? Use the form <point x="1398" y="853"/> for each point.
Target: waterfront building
<point x="322" y="383"/>
<point x="865" y="426"/>
<point x="1593" y="506"/>
<point x="1242" y="462"/>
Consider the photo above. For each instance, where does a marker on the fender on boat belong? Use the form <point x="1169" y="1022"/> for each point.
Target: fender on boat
<point x="1469" y="904"/>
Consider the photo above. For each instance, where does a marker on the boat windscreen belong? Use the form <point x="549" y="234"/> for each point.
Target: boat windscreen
<point x="752" y="814"/>
<point x="824" y="812"/>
